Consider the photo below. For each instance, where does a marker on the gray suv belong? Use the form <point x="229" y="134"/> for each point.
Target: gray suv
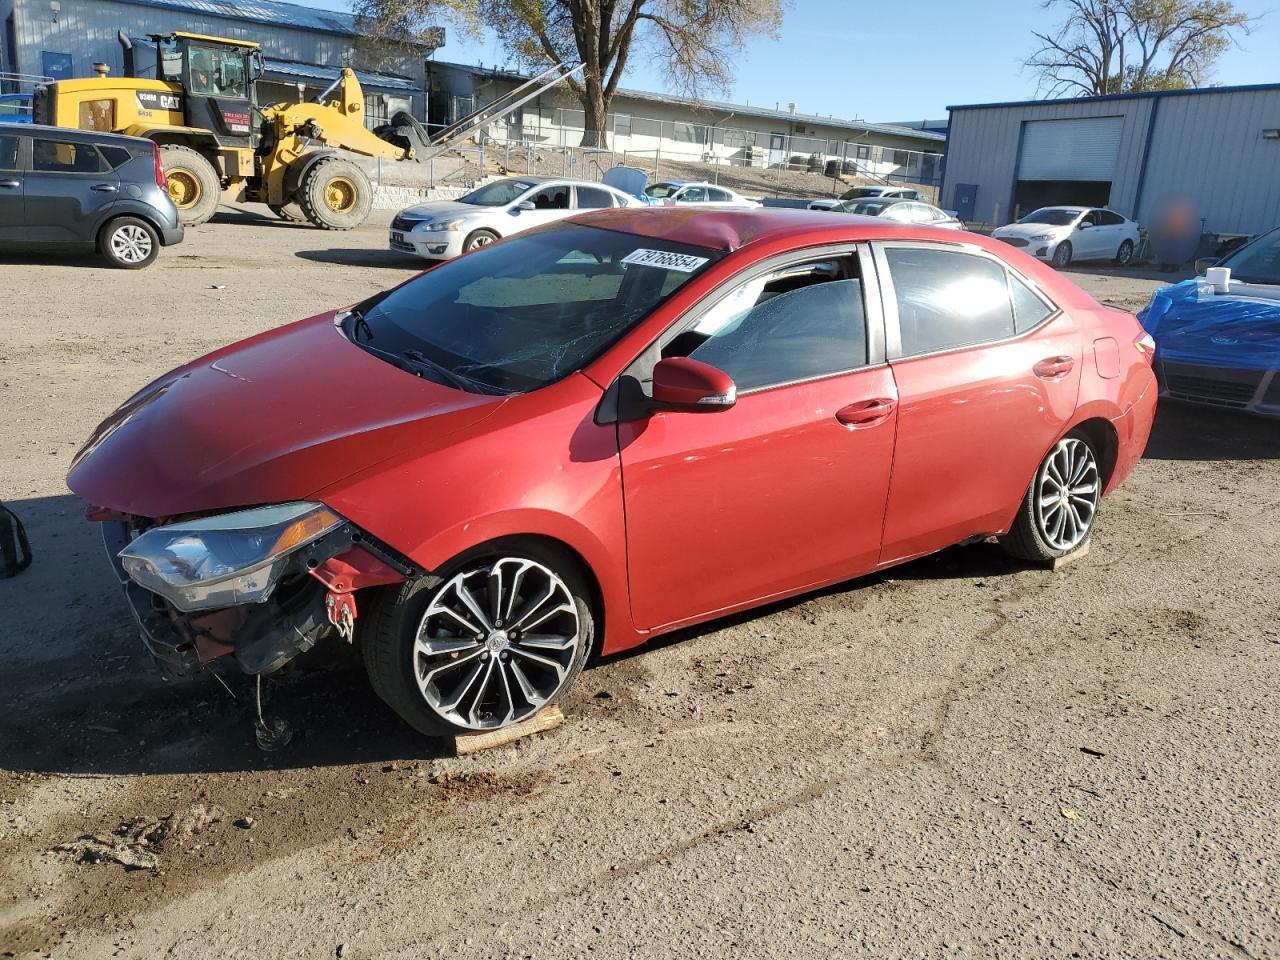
<point x="82" y="190"/>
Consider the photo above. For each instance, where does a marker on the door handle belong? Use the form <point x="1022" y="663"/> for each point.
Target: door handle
<point x="105" y="187"/>
<point x="1053" y="368"/>
<point x="866" y="412"/>
<point x="10" y="184"/>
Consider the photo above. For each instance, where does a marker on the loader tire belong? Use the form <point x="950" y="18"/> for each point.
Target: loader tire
<point x="335" y="194"/>
<point x="289" y="211"/>
<point x="192" y="182"/>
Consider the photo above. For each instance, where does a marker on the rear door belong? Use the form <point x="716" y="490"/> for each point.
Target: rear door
<point x="12" y="219"/>
<point x="67" y="186"/>
<point x="987" y="372"/>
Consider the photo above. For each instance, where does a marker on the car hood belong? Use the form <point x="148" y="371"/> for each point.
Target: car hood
<point x="442" y="209"/>
<point x="274" y="418"/>
<point x="1192" y="324"/>
<point x="1028" y="230"/>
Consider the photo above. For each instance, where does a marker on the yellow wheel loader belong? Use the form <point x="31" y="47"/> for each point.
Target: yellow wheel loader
<point x="215" y="139"/>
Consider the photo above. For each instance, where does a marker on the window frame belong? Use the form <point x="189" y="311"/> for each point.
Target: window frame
<point x="22" y="156"/>
<point x="641" y="368"/>
<point x="889" y="297"/>
<point x="578" y="187"/>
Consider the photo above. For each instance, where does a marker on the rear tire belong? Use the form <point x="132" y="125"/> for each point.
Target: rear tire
<point x="1060" y="506"/>
<point x="1124" y="254"/>
<point x="129" y="243"/>
<point x="444" y="679"/>
<point x="193" y="184"/>
<point x="335" y="194"/>
<point x="1062" y="255"/>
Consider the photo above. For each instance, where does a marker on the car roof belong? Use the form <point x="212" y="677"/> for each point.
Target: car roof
<point x="82" y="136"/>
<point x="1067" y="209"/>
<point x="703" y="183"/>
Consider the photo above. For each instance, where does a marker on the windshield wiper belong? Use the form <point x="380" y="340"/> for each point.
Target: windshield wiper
<point x="451" y="376"/>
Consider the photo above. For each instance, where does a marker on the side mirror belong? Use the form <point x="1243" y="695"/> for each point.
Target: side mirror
<point x="681" y="383"/>
<point x="1204" y="263"/>
<point x="1084" y="225"/>
<point x="524" y="205"/>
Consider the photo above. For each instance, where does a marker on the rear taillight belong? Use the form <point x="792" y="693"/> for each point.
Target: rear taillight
<point x="1146" y="346"/>
<point x="155" y="155"/>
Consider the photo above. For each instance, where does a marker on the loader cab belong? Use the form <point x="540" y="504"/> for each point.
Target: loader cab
<point x="218" y="79"/>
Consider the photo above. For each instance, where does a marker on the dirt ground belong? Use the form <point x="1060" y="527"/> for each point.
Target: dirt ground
<point x="963" y="757"/>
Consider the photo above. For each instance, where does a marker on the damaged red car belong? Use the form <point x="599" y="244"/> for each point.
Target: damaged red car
<point x="600" y="431"/>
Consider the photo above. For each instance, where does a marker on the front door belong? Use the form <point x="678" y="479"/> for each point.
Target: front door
<point x="784" y="490"/>
<point x="67" y="186"/>
<point x="12" y="221"/>
<point x="987" y="372"/>
<point x="550" y="203"/>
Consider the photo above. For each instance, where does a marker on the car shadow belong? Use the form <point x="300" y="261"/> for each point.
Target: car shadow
<point x="81" y="695"/>
<point x="90" y="261"/>
<point x="1140" y="272"/>
<point x="1184" y="431"/>
<point x="357" y="257"/>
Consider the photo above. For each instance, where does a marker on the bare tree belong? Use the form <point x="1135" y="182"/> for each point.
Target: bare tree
<point x="694" y="40"/>
<point x="1124" y="46"/>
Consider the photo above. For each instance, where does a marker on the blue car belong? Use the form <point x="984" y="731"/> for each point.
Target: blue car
<point x="15" y="107"/>
<point x="1218" y="338"/>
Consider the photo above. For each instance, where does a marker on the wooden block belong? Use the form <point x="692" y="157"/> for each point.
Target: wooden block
<point x="540" y="722"/>
<point x="1072" y="557"/>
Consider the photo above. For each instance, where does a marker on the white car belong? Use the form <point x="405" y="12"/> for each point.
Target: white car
<point x="902" y="211"/>
<point x="1063" y="234"/>
<point x="444" y="229"/>
<point x="861" y="193"/>
<point x="707" y="195"/>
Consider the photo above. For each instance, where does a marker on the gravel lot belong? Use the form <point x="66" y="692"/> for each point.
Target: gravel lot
<point x="961" y="758"/>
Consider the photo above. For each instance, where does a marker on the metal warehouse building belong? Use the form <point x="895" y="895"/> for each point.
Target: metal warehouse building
<point x="1217" y="148"/>
<point x="65" y="38"/>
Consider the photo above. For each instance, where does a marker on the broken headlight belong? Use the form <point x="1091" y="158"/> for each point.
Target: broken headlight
<point x="226" y="559"/>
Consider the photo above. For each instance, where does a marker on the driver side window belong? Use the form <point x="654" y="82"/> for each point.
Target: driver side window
<point x="798" y="323"/>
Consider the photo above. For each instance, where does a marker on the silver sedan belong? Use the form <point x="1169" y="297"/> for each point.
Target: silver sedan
<point x="444" y="229"/>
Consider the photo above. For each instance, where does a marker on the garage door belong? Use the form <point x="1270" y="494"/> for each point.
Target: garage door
<point x="1070" y="149"/>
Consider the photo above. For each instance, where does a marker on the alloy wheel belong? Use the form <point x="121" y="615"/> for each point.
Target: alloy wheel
<point x="483" y="240"/>
<point x="1067" y="490"/>
<point x="131" y="243"/>
<point x="1125" y="254"/>
<point x="496" y="643"/>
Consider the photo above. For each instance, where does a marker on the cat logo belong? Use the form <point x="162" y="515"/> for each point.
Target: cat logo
<point x="153" y="100"/>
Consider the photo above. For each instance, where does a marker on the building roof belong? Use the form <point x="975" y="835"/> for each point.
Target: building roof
<point x="1111" y="97"/>
<point x="271" y="12"/>
<point x="367" y="78"/>
<point x="733" y="109"/>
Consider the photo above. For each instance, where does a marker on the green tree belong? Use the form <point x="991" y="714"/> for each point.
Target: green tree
<point x="1125" y="46"/>
<point x="693" y="40"/>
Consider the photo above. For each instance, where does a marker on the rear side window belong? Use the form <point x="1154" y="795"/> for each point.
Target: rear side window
<point x="593" y="198"/>
<point x="1108" y="219"/>
<point x="720" y="196"/>
<point x="116" y="156"/>
<point x="800" y="323"/>
<point x="58" y="156"/>
<point x="948" y="299"/>
<point x="1028" y="309"/>
<point x="8" y="153"/>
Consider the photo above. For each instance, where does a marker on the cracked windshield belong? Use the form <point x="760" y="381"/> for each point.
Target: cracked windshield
<point x="527" y="312"/>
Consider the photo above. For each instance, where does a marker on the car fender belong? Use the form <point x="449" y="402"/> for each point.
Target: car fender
<point x="126" y="207"/>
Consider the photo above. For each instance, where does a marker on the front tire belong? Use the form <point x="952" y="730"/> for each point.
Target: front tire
<point x="498" y="636"/>
<point x="1060" y="506"/>
<point x="1124" y="254"/>
<point x="335" y="194"/>
<point x="1062" y="255"/>
<point x="481" y="238"/>
<point x="129" y="243"/>
<point x="192" y="182"/>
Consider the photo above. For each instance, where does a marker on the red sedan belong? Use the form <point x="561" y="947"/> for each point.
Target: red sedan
<point x="604" y="430"/>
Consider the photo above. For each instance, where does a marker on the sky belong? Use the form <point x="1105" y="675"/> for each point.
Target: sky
<point x="839" y="58"/>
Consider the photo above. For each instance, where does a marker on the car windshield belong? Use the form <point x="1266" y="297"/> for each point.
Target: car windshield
<point x="1257" y="262"/>
<point x="857" y="192"/>
<point x="525" y="312"/>
<point x="661" y="190"/>
<point x="496" y="194"/>
<point x="1052" y="216"/>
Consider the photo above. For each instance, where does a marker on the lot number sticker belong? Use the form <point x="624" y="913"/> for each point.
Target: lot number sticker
<point x="665" y="260"/>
